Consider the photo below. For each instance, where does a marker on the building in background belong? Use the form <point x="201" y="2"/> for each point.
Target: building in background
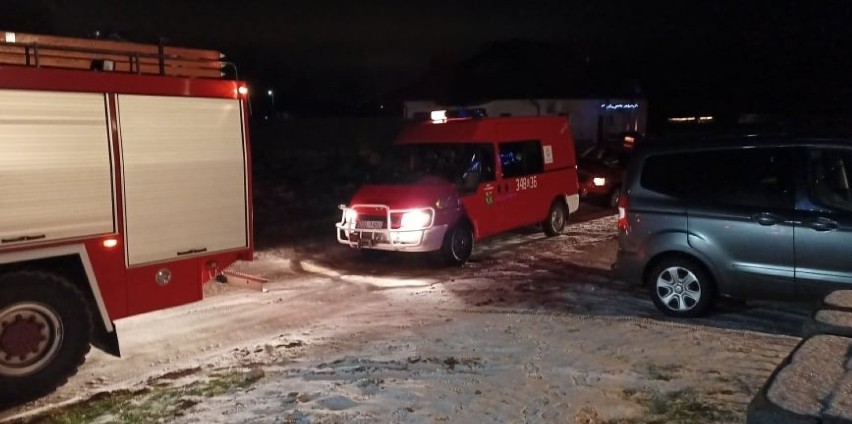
<point x="594" y="121"/>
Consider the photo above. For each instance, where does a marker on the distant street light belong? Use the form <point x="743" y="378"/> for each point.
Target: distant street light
<point x="272" y="98"/>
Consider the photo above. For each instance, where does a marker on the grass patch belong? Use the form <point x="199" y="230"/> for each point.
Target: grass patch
<point x="154" y="404"/>
<point x="221" y="383"/>
<point x="680" y="407"/>
<point x="662" y="372"/>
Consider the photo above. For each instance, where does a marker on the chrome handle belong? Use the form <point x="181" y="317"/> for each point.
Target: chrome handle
<point x="823" y="224"/>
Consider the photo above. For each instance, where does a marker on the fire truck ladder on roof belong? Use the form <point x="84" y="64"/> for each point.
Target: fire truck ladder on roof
<point x="42" y="51"/>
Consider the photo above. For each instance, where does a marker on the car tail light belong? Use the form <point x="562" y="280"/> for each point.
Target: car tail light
<point x="622" y="212"/>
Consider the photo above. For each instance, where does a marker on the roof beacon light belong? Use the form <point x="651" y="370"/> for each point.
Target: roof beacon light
<point x="438" y="116"/>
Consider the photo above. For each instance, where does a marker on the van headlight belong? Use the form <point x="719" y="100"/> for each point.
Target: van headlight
<point x="599" y="181"/>
<point x="415" y="219"/>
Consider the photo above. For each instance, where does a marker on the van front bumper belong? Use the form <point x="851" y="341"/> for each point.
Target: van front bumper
<point x="425" y="240"/>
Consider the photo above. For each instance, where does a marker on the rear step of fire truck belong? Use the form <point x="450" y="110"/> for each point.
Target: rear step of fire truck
<point x="243" y="280"/>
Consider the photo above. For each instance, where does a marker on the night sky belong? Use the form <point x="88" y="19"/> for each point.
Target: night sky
<point x="349" y="55"/>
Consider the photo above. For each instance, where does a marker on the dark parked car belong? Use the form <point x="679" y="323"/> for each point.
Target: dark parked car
<point x="600" y="170"/>
<point x="741" y="217"/>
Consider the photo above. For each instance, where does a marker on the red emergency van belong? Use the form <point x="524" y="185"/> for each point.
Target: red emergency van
<point x="447" y="183"/>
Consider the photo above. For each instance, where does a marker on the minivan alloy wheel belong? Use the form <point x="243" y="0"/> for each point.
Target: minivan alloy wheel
<point x="678" y="288"/>
<point x="681" y="287"/>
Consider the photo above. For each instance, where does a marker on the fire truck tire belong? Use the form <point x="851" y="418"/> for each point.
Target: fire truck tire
<point x="554" y="224"/>
<point x="458" y="244"/>
<point x="45" y="331"/>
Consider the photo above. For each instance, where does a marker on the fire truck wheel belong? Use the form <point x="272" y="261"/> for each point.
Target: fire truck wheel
<point x="45" y="330"/>
<point x="554" y="224"/>
<point x="458" y="244"/>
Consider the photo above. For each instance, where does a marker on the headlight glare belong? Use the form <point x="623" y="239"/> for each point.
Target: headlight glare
<point x="415" y="219"/>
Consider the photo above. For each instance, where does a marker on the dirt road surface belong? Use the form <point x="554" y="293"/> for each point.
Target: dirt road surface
<point x="533" y="330"/>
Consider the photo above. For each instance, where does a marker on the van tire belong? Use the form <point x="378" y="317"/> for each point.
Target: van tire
<point x="614" y="196"/>
<point x="458" y="244"/>
<point x="557" y="217"/>
<point x="47" y="312"/>
<point x="681" y="287"/>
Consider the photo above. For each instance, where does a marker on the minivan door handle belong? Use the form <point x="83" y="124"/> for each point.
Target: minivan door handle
<point x="767" y="218"/>
<point x="823" y="224"/>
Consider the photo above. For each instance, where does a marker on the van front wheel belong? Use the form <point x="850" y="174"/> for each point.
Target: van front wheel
<point x="458" y="244"/>
<point x="554" y="224"/>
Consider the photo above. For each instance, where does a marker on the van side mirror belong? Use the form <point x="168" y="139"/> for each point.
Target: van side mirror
<point x="470" y="180"/>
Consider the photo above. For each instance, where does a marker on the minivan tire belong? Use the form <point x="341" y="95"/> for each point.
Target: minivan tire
<point x="557" y="216"/>
<point x="458" y="244"/>
<point x="681" y="287"/>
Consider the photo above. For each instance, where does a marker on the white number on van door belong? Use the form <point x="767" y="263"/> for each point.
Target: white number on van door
<point x="526" y="183"/>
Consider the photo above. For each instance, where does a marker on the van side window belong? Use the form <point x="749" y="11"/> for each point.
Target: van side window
<point x="740" y="177"/>
<point x="761" y="178"/>
<point x="485" y="158"/>
<point x="829" y="172"/>
<point x="480" y="158"/>
<point x="519" y="158"/>
<point x="660" y="173"/>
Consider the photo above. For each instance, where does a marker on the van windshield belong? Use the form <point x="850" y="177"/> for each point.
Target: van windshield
<point x="451" y="162"/>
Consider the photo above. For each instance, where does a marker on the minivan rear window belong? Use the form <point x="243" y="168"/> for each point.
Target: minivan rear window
<point x="667" y="174"/>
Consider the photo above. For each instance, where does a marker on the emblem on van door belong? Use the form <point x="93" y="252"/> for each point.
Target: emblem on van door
<point x="489" y="198"/>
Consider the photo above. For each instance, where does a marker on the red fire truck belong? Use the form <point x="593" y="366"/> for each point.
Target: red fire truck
<point x="124" y="186"/>
<point x="449" y="182"/>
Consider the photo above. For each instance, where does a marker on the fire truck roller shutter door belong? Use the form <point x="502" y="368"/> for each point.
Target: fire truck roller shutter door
<point x="186" y="174"/>
<point x="55" y="159"/>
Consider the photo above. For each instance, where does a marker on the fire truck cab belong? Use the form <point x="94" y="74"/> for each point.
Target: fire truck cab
<point x="449" y="182"/>
<point x="124" y="186"/>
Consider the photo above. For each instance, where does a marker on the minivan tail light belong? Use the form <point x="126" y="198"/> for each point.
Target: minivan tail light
<point x="622" y="212"/>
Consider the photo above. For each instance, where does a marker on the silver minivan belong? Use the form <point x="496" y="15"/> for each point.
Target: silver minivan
<point x="739" y="217"/>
